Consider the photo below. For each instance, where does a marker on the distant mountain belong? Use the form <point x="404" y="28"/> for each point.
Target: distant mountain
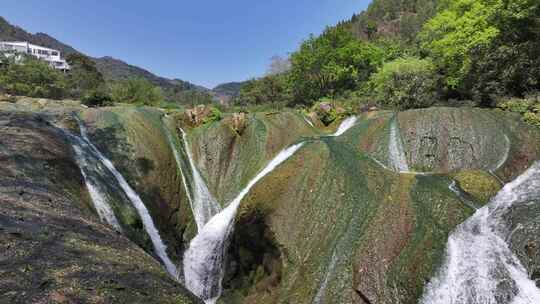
<point x="115" y="69"/>
<point x="227" y="91"/>
<point x="229" y="88"/>
<point x="111" y="68"/>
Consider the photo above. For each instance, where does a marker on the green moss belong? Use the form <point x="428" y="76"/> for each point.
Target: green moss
<point x="532" y="118"/>
<point x="480" y="185"/>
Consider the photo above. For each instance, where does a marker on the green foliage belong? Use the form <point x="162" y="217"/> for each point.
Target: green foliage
<point x="269" y="89"/>
<point x="98" y="97"/>
<point x="486" y="48"/>
<point x="532" y="118"/>
<point x="394" y="19"/>
<point x="136" y="91"/>
<point x="405" y="83"/>
<point x="83" y="78"/>
<point x="516" y="105"/>
<point x="451" y="35"/>
<point x="331" y="64"/>
<point x="32" y="78"/>
<point x="529" y="108"/>
<point x="214" y="115"/>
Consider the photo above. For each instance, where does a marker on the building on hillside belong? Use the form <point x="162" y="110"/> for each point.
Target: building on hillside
<point x="51" y="56"/>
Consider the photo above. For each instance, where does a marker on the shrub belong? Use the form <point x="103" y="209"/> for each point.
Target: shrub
<point x="214" y="115"/>
<point x="405" y="83"/>
<point x="136" y="91"/>
<point x="32" y="78"/>
<point x="97" y="98"/>
<point x="532" y="118"/>
<point x="516" y="105"/>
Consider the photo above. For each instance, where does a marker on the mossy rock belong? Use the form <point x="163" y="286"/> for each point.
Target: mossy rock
<point x="481" y="185"/>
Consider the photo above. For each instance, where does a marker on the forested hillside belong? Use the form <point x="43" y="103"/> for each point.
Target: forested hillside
<point x="403" y="54"/>
<point x="401" y="19"/>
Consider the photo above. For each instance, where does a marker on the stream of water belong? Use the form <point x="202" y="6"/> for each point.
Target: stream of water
<point x="204" y="259"/>
<point x="480" y="267"/>
<point x="148" y="223"/>
<point x="203" y="203"/>
<point x="396" y="151"/>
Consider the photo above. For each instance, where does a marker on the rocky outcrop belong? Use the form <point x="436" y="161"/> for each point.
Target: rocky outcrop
<point x="135" y="140"/>
<point x="53" y="247"/>
<point x="333" y="224"/>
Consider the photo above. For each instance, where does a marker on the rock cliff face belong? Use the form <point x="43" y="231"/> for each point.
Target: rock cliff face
<point x="53" y="248"/>
<point x="335" y="223"/>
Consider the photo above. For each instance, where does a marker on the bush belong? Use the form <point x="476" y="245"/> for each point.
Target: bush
<point x="215" y="115"/>
<point x="97" y="98"/>
<point x="405" y="83"/>
<point x="136" y="91"/>
<point x="532" y="118"/>
<point x="529" y="108"/>
<point x="516" y="105"/>
<point x="32" y="78"/>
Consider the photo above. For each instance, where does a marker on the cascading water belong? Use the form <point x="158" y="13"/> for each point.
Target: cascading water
<point x="148" y="223"/>
<point x="345" y="125"/>
<point x="203" y="204"/>
<point x="398" y="160"/>
<point x="88" y="163"/>
<point x="308" y="122"/>
<point x="480" y="268"/>
<point x="203" y="261"/>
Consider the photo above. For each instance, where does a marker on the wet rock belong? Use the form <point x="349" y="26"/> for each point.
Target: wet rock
<point x="54" y="247"/>
<point x="239" y="122"/>
<point x="201" y="114"/>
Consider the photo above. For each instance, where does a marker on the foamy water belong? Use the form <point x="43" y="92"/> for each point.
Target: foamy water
<point x="480" y="267"/>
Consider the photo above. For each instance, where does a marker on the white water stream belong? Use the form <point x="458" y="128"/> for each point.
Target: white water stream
<point x="480" y="267"/>
<point x="203" y="203"/>
<point x="203" y="261"/>
<point x="396" y="151"/>
<point x="148" y="223"/>
<point x="87" y="162"/>
<point x="348" y="123"/>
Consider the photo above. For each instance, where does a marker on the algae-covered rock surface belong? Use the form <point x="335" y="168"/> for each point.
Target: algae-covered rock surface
<point x="135" y="140"/>
<point x="363" y="217"/>
<point x="53" y="247"/>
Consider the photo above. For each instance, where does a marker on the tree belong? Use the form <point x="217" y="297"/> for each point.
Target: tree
<point x="268" y="89"/>
<point x="278" y="65"/>
<point x="452" y="34"/>
<point x="83" y="76"/>
<point x="406" y="83"/>
<point x="486" y="47"/>
<point x="331" y="64"/>
<point x="136" y="91"/>
<point x="32" y="77"/>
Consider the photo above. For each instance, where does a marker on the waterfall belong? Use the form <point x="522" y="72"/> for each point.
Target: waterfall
<point x="480" y="267"/>
<point x="148" y="223"/>
<point x="178" y="160"/>
<point x="398" y="160"/>
<point x="345" y="125"/>
<point x="203" y="204"/>
<point x="203" y="261"/>
<point x="329" y="272"/>
<point x="88" y="163"/>
<point x="308" y="121"/>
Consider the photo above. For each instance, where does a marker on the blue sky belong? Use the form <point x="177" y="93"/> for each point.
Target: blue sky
<point x="205" y="42"/>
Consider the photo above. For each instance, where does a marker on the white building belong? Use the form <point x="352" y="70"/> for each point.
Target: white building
<point x="53" y="57"/>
